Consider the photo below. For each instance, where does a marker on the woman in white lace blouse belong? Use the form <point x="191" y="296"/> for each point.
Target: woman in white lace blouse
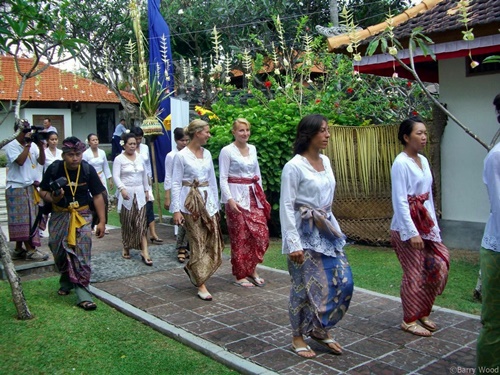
<point x="414" y="231"/>
<point x="247" y="209"/>
<point x="195" y="204"/>
<point x="131" y="180"/>
<point x="322" y="282"/>
<point x="97" y="158"/>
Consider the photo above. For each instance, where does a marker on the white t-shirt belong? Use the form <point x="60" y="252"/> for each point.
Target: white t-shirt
<point x="20" y="176"/>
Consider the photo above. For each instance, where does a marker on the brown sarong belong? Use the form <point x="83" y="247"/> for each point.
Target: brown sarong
<point x="204" y="236"/>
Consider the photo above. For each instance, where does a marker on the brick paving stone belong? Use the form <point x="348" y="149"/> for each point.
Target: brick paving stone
<point x="471" y="325"/>
<point x="376" y="367"/>
<point x="343" y="362"/>
<point x="407" y="359"/>
<point x="464" y="357"/>
<point x="280" y="337"/>
<point x="224" y="336"/>
<point x="438" y="367"/>
<point x="396" y="336"/>
<point x="203" y="326"/>
<point x="455" y="335"/>
<point x="309" y="368"/>
<point x="255" y="326"/>
<point x="249" y="347"/>
<point x="278" y="359"/>
<point x="433" y="346"/>
<point x="371" y="347"/>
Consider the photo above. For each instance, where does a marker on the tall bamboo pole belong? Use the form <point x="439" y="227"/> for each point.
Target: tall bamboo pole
<point x="155" y="174"/>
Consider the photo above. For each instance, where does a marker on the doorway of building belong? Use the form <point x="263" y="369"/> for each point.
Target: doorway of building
<point x="105" y="122"/>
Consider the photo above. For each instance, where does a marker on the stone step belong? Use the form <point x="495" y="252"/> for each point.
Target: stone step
<point x="25" y="268"/>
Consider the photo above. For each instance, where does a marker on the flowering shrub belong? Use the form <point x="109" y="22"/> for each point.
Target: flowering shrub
<point x="280" y="89"/>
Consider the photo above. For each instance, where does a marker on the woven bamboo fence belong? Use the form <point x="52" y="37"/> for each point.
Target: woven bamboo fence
<point x="361" y="159"/>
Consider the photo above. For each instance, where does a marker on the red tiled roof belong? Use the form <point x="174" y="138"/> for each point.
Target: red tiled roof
<point x="53" y="85"/>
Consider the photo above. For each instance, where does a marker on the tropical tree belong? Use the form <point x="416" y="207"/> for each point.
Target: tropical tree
<point x="106" y="26"/>
<point x="38" y="30"/>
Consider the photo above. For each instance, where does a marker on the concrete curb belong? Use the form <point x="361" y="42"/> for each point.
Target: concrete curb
<point x="211" y="350"/>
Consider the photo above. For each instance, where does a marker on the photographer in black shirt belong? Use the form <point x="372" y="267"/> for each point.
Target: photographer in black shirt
<point x="70" y="223"/>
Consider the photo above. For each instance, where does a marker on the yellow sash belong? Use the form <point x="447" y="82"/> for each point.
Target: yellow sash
<point x="75" y="221"/>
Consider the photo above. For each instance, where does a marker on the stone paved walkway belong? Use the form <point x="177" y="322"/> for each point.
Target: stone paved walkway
<point x="248" y="329"/>
<point x="253" y="323"/>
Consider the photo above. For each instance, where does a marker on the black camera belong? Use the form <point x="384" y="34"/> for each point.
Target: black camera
<point x="37" y="135"/>
<point x="55" y="186"/>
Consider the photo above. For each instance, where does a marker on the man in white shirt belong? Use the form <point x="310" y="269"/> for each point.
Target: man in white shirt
<point x="47" y="126"/>
<point x="21" y="194"/>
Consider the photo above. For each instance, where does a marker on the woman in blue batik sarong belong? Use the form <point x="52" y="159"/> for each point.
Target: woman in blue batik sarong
<point x="321" y="276"/>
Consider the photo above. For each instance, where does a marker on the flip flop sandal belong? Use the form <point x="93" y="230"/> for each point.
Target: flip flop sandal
<point x="182" y="255"/>
<point x="257" y="281"/>
<point x="63" y="292"/>
<point x="125" y="254"/>
<point x="326" y="343"/>
<point x="415" y="329"/>
<point x="87" y="305"/>
<point x="304" y="350"/>
<point x="429" y="324"/>
<point x="244" y="284"/>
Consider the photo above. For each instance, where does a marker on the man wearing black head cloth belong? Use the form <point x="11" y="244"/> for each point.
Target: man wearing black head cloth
<point x="21" y="195"/>
<point x="70" y="229"/>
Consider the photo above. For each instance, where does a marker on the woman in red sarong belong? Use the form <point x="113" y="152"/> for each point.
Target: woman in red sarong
<point x="414" y="231"/>
<point x="247" y="209"/>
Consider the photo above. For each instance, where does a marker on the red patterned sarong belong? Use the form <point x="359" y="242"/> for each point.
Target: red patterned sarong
<point x="425" y="273"/>
<point x="249" y="237"/>
<point x="419" y="214"/>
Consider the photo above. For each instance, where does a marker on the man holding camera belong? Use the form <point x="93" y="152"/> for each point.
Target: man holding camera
<point x="71" y="185"/>
<point x="21" y="194"/>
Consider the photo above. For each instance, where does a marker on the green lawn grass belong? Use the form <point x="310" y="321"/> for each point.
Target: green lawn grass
<point x="64" y="339"/>
<point x="378" y="269"/>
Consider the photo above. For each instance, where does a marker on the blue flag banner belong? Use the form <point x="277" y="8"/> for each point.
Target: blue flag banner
<point x="161" y="66"/>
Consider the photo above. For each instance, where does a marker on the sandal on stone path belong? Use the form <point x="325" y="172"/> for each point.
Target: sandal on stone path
<point x="336" y="349"/>
<point x="428" y="323"/>
<point x="257" y="281"/>
<point x="182" y="255"/>
<point x="415" y="329"/>
<point x="303" y="350"/>
<point x="125" y="254"/>
<point x="87" y="305"/>
<point x="244" y="284"/>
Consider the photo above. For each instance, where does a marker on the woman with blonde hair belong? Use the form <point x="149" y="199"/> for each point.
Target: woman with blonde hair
<point x="195" y="205"/>
<point x="247" y="209"/>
